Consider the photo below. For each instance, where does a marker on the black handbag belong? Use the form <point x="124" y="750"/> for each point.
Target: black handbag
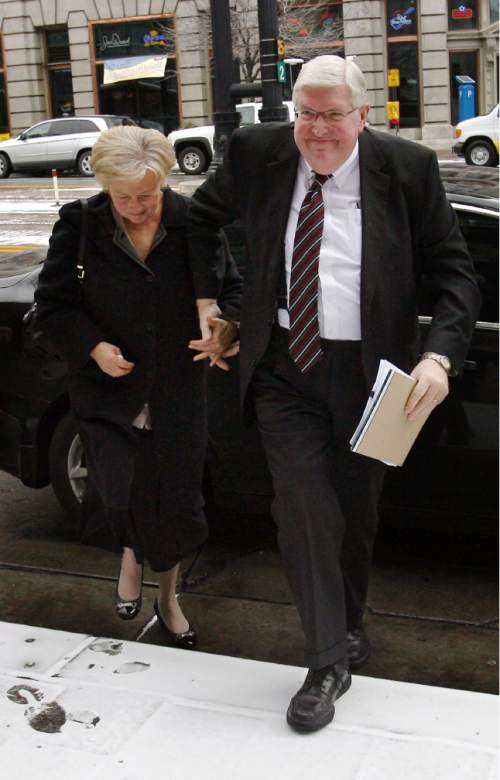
<point x="35" y="341"/>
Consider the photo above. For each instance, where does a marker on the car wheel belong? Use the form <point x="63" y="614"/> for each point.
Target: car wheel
<point x="83" y="163"/>
<point x="67" y="469"/>
<point x="481" y="153"/>
<point x="5" y="166"/>
<point x="192" y="160"/>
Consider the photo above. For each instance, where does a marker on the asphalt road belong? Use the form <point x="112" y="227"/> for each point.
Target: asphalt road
<point x="28" y="207"/>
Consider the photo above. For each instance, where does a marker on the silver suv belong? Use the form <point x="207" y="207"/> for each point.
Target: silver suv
<point x="64" y="143"/>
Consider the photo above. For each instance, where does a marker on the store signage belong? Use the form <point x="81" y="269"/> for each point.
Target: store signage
<point x="155" y="38"/>
<point x="113" y="42"/>
<point x="402" y="19"/>
<point x="128" y="68"/>
<point x="393" y="77"/>
<point x="462" y="12"/>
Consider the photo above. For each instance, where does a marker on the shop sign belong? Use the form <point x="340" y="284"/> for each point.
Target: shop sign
<point x="402" y="19"/>
<point x="128" y="68"/>
<point x="155" y="38"/>
<point x="113" y="42"/>
<point x="393" y="77"/>
<point x="462" y="12"/>
<point x="133" y="39"/>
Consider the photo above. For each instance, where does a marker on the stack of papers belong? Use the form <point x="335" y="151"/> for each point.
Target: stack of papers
<point x="384" y="431"/>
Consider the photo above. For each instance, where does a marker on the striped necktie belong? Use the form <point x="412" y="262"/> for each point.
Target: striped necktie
<point x="304" y="341"/>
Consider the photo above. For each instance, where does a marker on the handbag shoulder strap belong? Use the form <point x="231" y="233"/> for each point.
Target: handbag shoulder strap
<point x="80" y="266"/>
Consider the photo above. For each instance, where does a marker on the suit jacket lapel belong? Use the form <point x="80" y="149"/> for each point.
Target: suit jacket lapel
<point x="374" y="200"/>
<point x="279" y="184"/>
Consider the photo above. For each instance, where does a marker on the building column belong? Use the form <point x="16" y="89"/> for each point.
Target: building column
<point x="364" y="40"/>
<point x="435" y="78"/>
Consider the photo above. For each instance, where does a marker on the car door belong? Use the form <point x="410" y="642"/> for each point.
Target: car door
<point x="30" y="152"/>
<point x="62" y="143"/>
<point x="451" y="474"/>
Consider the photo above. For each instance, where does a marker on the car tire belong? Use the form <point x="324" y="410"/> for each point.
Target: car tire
<point x="481" y="153"/>
<point x="192" y="160"/>
<point x="5" y="166"/>
<point x="83" y="163"/>
<point x="67" y="469"/>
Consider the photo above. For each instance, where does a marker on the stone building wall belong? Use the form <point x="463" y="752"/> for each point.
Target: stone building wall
<point x="22" y="25"/>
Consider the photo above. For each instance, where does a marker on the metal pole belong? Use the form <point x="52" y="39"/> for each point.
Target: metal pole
<point x="272" y="109"/>
<point x="225" y="117"/>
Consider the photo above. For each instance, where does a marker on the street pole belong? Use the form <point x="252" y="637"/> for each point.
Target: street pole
<point x="272" y="109"/>
<point x="225" y="117"/>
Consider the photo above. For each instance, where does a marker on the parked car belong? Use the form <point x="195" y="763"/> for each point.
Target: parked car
<point x="194" y="147"/>
<point x="64" y="143"/>
<point x="450" y="476"/>
<point x="477" y="139"/>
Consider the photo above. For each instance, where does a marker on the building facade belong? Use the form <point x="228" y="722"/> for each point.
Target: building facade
<point x="151" y="59"/>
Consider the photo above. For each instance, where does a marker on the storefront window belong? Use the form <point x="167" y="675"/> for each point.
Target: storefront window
<point x="493" y="11"/>
<point x="404" y="57"/>
<point x="4" y="122"/>
<point x="309" y="29"/>
<point x="462" y="14"/>
<point x="57" y="46"/>
<point x="402" y="54"/>
<point x="136" y="71"/>
<point x="462" y="63"/>
<point x="401" y="18"/>
<point x="59" y="72"/>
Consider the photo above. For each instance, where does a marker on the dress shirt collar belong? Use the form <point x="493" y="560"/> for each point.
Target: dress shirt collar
<point x="340" y="176"/>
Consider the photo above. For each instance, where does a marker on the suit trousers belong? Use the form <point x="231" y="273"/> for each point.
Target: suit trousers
<point x="325" y="496"/>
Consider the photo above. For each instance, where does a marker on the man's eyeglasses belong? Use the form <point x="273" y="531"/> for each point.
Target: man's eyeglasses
<point x="309" y="116"/>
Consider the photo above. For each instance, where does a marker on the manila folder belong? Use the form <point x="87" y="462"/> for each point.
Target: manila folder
<point x="389" y="435"/>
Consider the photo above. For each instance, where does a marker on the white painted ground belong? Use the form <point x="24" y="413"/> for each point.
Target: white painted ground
<point x="74" y="707"/>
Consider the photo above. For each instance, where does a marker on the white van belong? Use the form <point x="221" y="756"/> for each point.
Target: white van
<point x="478" y="139"/>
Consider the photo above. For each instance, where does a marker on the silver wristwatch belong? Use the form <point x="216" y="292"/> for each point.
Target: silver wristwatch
<point x="443" y="361"/>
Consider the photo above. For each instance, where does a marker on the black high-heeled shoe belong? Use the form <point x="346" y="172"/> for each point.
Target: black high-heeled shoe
<point x="185" y="641"/>
<point x="128" y="610"/>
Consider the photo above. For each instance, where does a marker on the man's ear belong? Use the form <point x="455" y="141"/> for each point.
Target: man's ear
<point x="363" y="115"/>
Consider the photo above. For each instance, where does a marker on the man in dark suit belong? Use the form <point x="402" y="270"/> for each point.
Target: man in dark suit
<point x="342" y="223"/>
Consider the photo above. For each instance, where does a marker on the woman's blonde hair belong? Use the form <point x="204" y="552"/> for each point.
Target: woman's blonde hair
<point x="129" y="152"/>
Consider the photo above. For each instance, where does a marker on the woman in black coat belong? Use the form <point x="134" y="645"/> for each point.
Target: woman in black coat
<point x="136" y="392"/>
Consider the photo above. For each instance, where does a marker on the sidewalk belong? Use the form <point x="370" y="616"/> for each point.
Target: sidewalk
<point x="81" y="708"/>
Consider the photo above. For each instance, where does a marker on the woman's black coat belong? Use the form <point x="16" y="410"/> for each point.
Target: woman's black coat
<point x="149" y="312"/>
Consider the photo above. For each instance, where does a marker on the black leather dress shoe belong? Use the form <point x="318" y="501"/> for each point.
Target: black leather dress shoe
<point x="313" y="706"/>
<point x="358" y="647"/>
<point x="184" y="641"/>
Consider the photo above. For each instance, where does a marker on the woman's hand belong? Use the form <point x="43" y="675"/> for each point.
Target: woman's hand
<point x="219" y="344"/>
<point x="207" y="309"/>
<point x="110" y="360"/>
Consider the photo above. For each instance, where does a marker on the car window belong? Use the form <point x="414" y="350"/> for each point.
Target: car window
<point x="114" y="121"/>
<point x="247" y="115"/>
<point x="39" y="131"/>
<point x="85" y="126"/>
<point x="481" y="233"/>
<point x="60" y="128"/>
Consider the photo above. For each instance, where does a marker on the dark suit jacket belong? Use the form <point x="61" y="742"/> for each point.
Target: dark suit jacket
<point x="149" y="312"/>
<point x="408" y="230"/>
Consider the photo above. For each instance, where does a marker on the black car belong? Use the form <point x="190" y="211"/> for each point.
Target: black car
<point x="450" y="477"/>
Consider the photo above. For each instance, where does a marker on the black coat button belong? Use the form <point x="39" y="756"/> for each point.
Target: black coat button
<point x="149" y="327"/>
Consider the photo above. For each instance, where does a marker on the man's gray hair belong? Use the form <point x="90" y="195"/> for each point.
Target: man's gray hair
<point x="128" y="152"/>
<point x="328" y="70"/>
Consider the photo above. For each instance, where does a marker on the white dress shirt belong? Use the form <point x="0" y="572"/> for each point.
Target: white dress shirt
<point x="340" y="252"/>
